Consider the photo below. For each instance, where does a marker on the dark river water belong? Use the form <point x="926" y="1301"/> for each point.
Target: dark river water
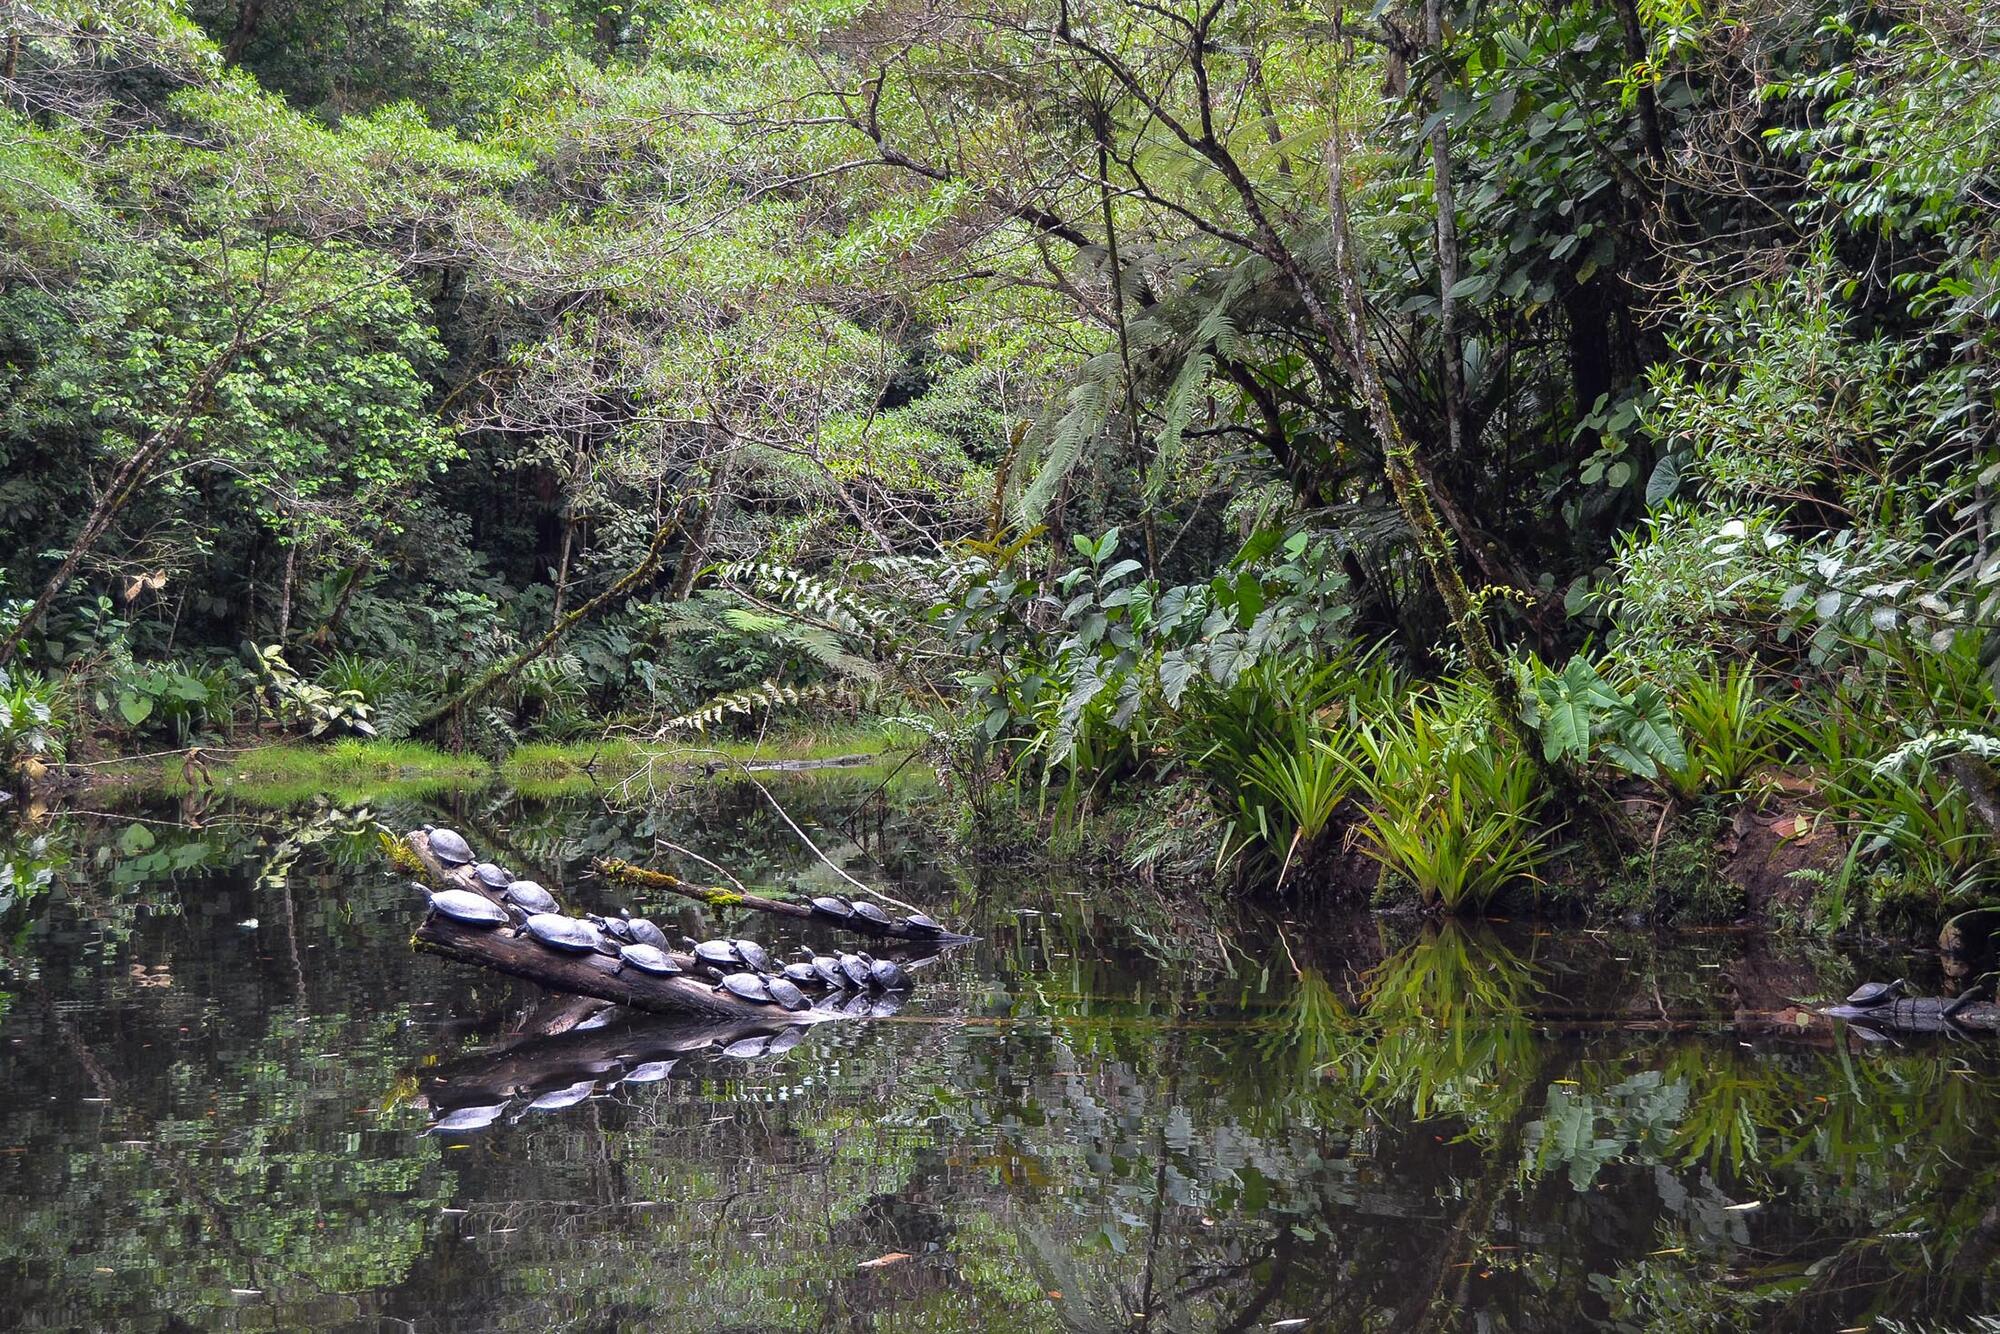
<point x="220" y="1058"/>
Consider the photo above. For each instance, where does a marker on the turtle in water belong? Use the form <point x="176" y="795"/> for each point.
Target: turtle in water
<point x="467" y="908"/>
<point x="649" y="959"/>
<point x="716" y="955"/>
<point x="563" y="933"/>
<point x="1871" y="994"/>
<point x="888" y="976"/>
<point x="645" y="933"/>
<point x="748" y="1049"/>
<point x="832" y="905"/>
<point x="859" y="1004"/>
<point x="802" y="973"/>
<point x="787" y="1040"/>
<point x="492" y="875"/>
<point x="787" y="995"/>
<point x="870" y="916"/>
<point x="856" y="969"/>
<point x="748" y="986"/>
<point x="753" y="954"/>
<point x="449" y="846"/>
<point x="531" y="897"/>
<point x="924" y="924"/>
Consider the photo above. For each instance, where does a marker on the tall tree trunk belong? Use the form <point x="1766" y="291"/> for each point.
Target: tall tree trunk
<point x="1446" y="236"/>
<point x="285" y="593"/>
<point x="562" y="567"/>
<point x="248" y="15"/>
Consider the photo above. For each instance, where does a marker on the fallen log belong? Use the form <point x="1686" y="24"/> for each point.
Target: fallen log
<point x="638" y="877"/>
<point x="504" y="951"/>
<point x="1919" y="1014"/>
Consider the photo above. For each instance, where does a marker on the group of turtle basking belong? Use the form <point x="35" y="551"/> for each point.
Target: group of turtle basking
<point x="741" y="968"/>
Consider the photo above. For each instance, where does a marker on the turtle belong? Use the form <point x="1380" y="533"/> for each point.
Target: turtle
<point x="747" y="986"/>
<point x="460" y="1119"/>
<point x="557" y="1099"/>
<point x="449" y="846"/>
<point x="832" y="905"/>
<point x="856" y="969"/>
<point x="871" y="914"/>
<point x="888" y="976"/>
<point x="787" y="1040"/>
<point x="924" y="924"/>
<point x="531" y="897"/>
<point x="830" y="971"/>
<point x="753" y="954"/>
<point x="803" y="973"/>
<point x="719" y="955"/>
<point x="649" y="959"/>
<point x="860" y="1003"/>
<point x="748" y="1049"/>
<point x="492" y="875"/>
<point x="650" y="1072"/>
<point x="618" y="929"/>
<point x="881" y="1007"/>
<point x="563" y="933"/>
<point x="1870" y="994"/>
<point x="645" y="933"/>
<point x="469" y="909"/>
<point x="787" y="995"/>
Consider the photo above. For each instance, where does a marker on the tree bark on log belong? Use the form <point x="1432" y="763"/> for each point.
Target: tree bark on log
<point x="638" y="877"/>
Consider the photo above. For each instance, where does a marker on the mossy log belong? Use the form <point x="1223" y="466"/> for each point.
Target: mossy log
<point x="503" y="951"/>
<point x="638" y="877"/>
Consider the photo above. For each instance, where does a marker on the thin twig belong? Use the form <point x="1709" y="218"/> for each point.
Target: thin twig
<point x="685" y="852"/>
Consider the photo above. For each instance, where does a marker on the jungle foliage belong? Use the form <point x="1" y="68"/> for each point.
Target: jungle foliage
<point x="1419" y="427"/>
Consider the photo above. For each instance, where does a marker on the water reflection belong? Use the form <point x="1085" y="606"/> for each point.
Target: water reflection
<point x="237" y="1097"/>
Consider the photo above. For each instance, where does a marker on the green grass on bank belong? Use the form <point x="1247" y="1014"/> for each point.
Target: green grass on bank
<point x="346" y="771"/>
<point x="570" y="767"/>
<point x="352" y="771"/>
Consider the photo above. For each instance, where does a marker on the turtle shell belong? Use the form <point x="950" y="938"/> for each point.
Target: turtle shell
<point x="620" y="929"/>
<point x="888" y="976"/>
<point x="563" y="933"/>
<point x="748" y="1049"/>
<point x="860" y="1003"/>
<point x="715" y="954"/>
<point x="829" y="971"/>
<point x="856" y="969"/>
<point x="787" y="1040"/>
<point x="462" y="905"/>
<point x="449" y="846"/>
<point x="531" y="897"/>
<point x="747" y="986"/>
<point x="460" y="1119"/>
<point x="558" y="1099"/>
<point x="649" y="959"/>
<point x="650" y="1072"/>
<point x="492" y="875"/>
<point x="828" y="905"/>
<point x="801" y="972"/>
<point x="645" y="933"/>
<point x="753" y="954"/>
<point x="787" y="995"/>
<point x="924" y="925"/>
<point x="1876" y="993"/>
<point x="870" y="913"/>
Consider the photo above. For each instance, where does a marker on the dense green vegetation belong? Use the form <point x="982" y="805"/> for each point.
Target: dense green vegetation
<point x="1500" y="439"/>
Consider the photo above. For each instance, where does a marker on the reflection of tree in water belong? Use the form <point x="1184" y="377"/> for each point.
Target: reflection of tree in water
<point x="1462" y="1128"/>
